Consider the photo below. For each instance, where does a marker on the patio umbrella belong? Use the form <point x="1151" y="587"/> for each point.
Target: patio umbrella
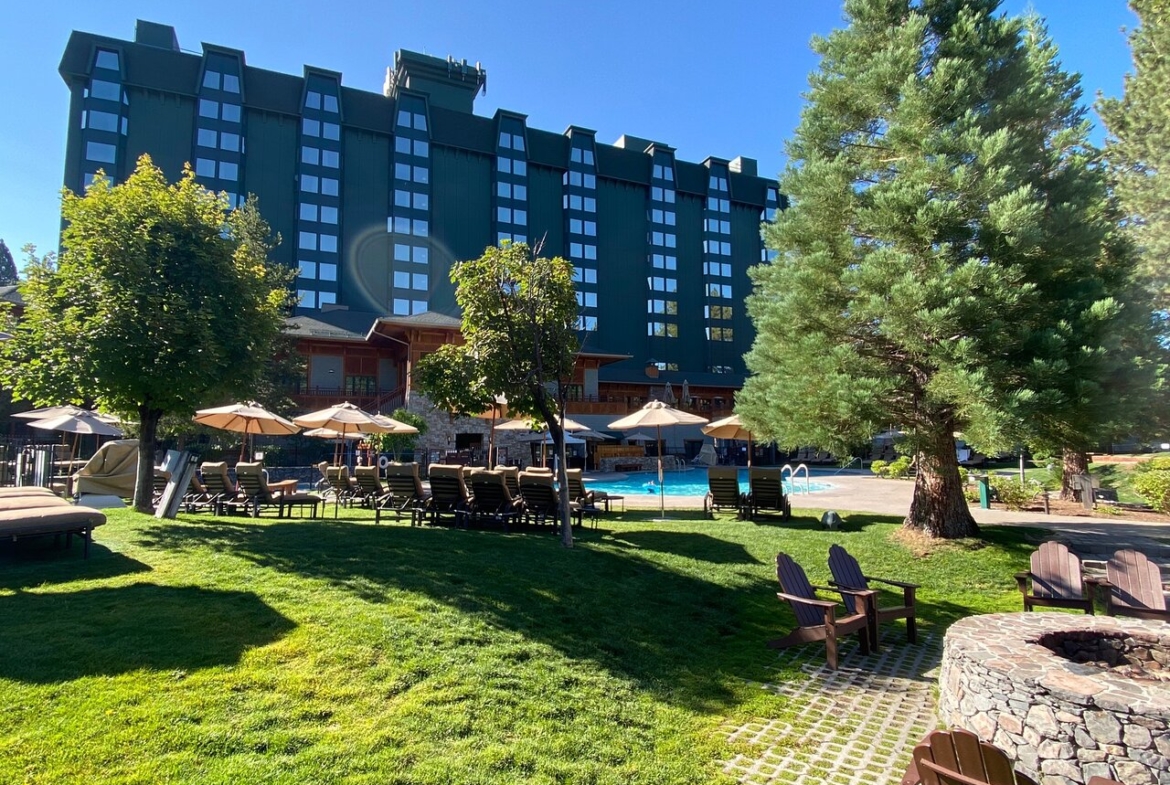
<point x="639" y="437"/>
<point x="56" y="411"/>
<point x="329" y="433"/>
<point x="686" y="393"/>
<point x="246" y="418"/>
<point x="730" y="428"/>
<point x="79" y="423"/>
<point x="668" y="394"/>
<point x="659" y="415"/>
<point x="527" y="425"/>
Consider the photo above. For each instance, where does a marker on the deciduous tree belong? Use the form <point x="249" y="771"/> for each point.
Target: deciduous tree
<point x="519" y="324"/>
<point x="163" y="299"/>
<point x="942" y="197"/>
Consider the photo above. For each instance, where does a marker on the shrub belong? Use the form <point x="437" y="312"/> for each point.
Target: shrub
<point x="1013" y="493"/>
<point x="964" y="476"/>
<point x="1151" y="480"/>
<point x="878" y="468"/>
<point x="899" y="467"/>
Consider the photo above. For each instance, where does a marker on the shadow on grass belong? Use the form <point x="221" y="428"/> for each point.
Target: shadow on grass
<point x="691" y="545"/>
<point x="673" y="632"/>
<point x="53" y="637"/>
<point x="37" y="562"/>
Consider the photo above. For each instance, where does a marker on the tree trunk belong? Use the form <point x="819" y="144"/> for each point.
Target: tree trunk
<point x="558" y="437"/>
<point x="939" y="508"/>
<point x="1073" y="462"/>
<point x="147" y="431"/>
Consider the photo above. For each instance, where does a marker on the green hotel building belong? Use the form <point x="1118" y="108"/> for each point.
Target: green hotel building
<point x="376" y="194"/>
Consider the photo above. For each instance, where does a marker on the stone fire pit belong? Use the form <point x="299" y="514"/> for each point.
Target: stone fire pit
<point x="1068" y="697"/>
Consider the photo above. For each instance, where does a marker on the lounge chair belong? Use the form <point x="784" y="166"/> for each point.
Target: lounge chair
<point x="817" y="619"/>
<point x="449" y="496"/>
<point x="723" y="491"/>
<point x="958" y="757"/>
<point x="254" y="487"/>
<point x="197" y="496"/>
<point x="766" y="494"/>
<point x="847" y="575"/>
<point x="224" y="494"/>
<point x="589" y="500"/>
<point x="40" y="514"/>
<point x="339" y="485"/>
<point x="369" y="489"/>
<point x="1134" y="584"/>
<point x="542" y="503"/>
<point x="491" y="500"/>
<point x="407" y="496"/>
<point x="112" y="471"/>
<point x="1057" y="580"/>
<point x="512" y="477"/>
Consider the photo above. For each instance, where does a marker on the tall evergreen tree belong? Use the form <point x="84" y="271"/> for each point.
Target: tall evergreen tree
<point x="943" y="198"/>
<point x="1136" y="148"/>
<point x="8" y="274"/>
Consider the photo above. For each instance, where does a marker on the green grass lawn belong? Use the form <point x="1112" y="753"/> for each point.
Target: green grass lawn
<point x="230" y="650"/>
<point x="1112" y="475"/>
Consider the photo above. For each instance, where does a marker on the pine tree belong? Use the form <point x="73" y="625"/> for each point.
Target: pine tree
<point x="8" y="274"/>
<point x="944" y="212"/>
<point x="1137" y="149"/>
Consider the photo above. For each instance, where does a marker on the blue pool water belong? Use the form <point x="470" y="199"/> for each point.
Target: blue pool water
<point x="692" y="482"/>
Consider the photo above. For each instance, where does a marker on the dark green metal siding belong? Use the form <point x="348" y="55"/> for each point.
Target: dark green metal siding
<point x="161" y="124"/>
<point x="366" y="248"/>
<point x="461" y="213"/>
<point x="546" y="214"/>
<point x="73" y="140"/>
<point x="621" y="271"/>
<point x="270" y="172"/>
<point x="745" y="253"/>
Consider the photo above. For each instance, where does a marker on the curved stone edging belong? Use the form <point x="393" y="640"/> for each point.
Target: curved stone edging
<point x="1061" y="722"/>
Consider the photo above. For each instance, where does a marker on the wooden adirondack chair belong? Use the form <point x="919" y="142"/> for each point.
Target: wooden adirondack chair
<point x="817" y="619"/>
<point x="723" y="491"/>
<point x="847" y="575"/>
<point x="1057" y="580"/>
<point x="1135" y="587"/>
<point x="958" y="757"/>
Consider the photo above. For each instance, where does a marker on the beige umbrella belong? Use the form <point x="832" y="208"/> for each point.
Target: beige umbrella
<point x="81" y="422"/>
<point x="329" y="433"/>
<point x="570" y="426"/>
<point x="247" y="418"/>
<point x="731" y="428"/>
<point x="659" y="415"/>
<point x="57" y="411"/>
<point x="345" y="418"/>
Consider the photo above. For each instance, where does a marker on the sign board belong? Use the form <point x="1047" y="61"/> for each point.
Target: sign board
<point x="181" y="465"/>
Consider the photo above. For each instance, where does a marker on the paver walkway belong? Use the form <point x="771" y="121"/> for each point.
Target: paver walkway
<point x="853" y="726"/>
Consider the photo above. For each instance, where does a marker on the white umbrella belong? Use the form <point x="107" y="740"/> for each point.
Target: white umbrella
<point x="730" y="428"/>
<point x="246" y="418"/>
<point x="81" y="422"/>
<point x="57" y="411"/>
<point x="592" y="436"/>
<point x="659" y="415"/>
<point x="639" y="437"/>
<point x="347" y="418"/>
<point x="537" y="425"/>
<point x="668" y="394"/>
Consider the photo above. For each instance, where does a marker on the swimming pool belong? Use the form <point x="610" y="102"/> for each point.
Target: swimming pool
<point x="692" y="482"/>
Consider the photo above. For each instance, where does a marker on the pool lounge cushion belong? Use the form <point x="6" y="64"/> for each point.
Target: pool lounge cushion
<point x="48" y="515"/>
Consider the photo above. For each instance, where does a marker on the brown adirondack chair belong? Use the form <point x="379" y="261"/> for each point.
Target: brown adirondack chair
<point x="1134" y="584"/>
<point x="958" y="757"/>
<point x="1057" y="580"/>
<point x="817" y="619"/>
<point x="847" y="575"/>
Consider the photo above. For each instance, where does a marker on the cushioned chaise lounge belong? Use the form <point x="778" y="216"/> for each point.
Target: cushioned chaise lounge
<point x="41" y="514"/>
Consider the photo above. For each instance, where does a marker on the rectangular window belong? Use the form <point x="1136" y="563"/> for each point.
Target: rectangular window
<point x="329" y="243"/>
<point x="401" y="307"/>
<point x="422" y="255"/>
<point x="308" y="298"/>
<point x="504" y="215"/>
<point x="590" y="228"/>
<point x="404" y="118"/>
<point x="590" y="275"/>
<point x="307" y="269"/>
<point x="725" y="249"/>
<point x="331" y="158"/>
<point x="591" y="252"/>
<point x="401" y="225"/>
<point x="401" y="198"/>
<point x="574" y="226"/>
<point x="590" y="299"/>
<point x="401" y="252"/>
<point x="422" y="202"/>
<point x="211" y="80"/>
<point x="575" y="155"/>
<point x="421" y="148"/>
<point x="418" y="282"/>
<point x="331" y="131"/>
<point x="310" y="155"/>
<point x="100" y="121"/>
<point x="231" y="83"/>
<point x="231" y="113"/>
<point x="331" y="104"/>
<point x="309" y="184"/>
<point x="229" y="142"/>
<point x="590" y="204"/>
<point x="208" y="109"/>
<point x="520" y="192"/>
<point x="576" y="250"/>
<point x="421" y="174"/>
<point x="503" y="164"/>
<point x="107" y="91"/>
<point x="205" y="167"/>
<point x="311" y="127"/>
<point x="520" y="168"/>
<point x="308" y="212"/>
<point x="312" y="100"/>
<point x="329" y="186"/>
<point x="329" y="215"/>
<point x="401" y="280"/>
<point x="420" y="228"/>
<point x="229" y="170"/>
<point x="328" y="272"/>
<point x="106" y="59"/>
<point x="307" y="241"/>
<point x="402" y="145"/>
<point x="402" y="172"/>
<point x="326" y="298"/>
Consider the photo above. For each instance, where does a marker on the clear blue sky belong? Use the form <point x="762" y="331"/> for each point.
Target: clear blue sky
<point x="722" y="79"/>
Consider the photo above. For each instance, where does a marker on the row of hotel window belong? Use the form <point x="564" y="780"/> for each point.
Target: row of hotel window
<point x="670" y="330"/>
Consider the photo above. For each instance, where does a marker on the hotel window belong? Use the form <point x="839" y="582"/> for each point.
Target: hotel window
<point x="579" y="199"/>
<point x="717" y="276"/>
<point x="219" y="145"/>
<point x="662" y="240"/>
<point x="319" y="203"/>
<point x="409" y="222"/>
<point x="511" y="187"/>
<point x="104" y="112"/>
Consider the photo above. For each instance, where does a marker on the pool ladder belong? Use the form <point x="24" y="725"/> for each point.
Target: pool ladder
<point x="792" y="473"/>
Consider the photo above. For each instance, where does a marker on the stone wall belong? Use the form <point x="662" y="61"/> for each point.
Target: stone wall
<point x="1062" y="722"/>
